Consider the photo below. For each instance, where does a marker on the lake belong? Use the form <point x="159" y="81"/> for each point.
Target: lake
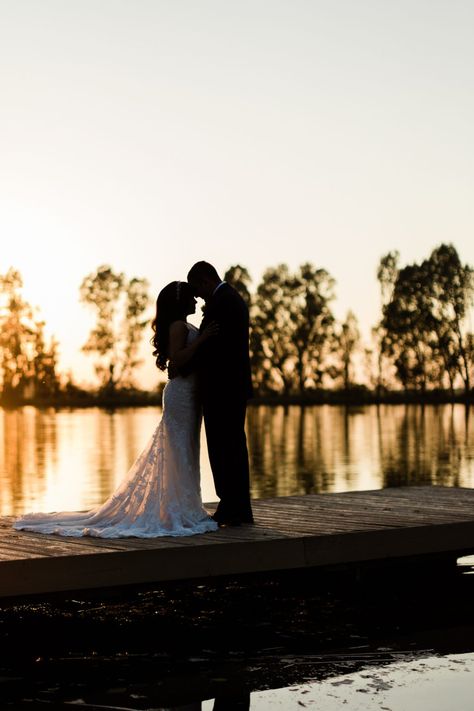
<point x="73" y="459"/>
<point x="284" y="641"/>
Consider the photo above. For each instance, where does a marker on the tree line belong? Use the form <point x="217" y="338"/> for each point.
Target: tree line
<point x="422" y="342"/>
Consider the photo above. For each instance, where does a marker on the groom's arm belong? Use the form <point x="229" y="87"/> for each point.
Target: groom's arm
<point x="183" y="370"/>
<point x="200" y="353"/>
<point x="199" y="358"/>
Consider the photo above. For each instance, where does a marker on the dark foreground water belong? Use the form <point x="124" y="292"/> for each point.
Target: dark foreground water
<point x="391" y="639"/>
<point x="396" y="640"/>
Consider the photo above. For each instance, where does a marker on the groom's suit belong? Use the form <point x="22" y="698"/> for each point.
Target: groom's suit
<point x="223" y="368"/>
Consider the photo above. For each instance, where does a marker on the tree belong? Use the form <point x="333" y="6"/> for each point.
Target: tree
<point x="452" y="292"/>
<point x="239" y="278"/>
<point x="119" y="305"/>
<point x="408" y="327"/>
<point x="312" y="323"/>
<point x="347" y="342"/>
<point x="45" y="357"/>
<point x="27" y="363"/>
<point x="269" y="342"/>
<point x="425" y="308"/>
<point x="378" y="366"/>
<point x="292" y="326"/>
<point x="387" y="273"/>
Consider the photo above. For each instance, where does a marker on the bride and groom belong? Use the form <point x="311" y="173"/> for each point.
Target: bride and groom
<point x="209" y="377"/>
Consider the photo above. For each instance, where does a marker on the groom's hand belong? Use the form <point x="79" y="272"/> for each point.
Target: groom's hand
<point x="172" y="371"/>
<point x="212" y="329"/>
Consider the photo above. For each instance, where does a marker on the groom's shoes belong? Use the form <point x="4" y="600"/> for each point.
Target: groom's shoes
<point x="224" y="521"/>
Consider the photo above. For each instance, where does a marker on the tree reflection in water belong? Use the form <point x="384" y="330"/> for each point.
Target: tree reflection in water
<point x="303" y="450"/>
<point x="63" y="460"/>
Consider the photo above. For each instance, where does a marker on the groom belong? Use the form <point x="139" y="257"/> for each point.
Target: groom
<point x="223" y="368"/>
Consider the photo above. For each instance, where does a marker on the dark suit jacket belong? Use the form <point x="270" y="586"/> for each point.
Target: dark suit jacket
<point x="222" y="362"/>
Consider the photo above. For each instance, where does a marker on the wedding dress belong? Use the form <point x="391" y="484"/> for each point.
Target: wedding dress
<point x="161" y="494"/>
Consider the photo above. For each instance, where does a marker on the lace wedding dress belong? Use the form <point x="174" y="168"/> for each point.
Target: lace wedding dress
<point x="161" y="494"/>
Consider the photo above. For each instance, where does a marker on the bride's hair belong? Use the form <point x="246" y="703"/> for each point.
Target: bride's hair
<point x="171" y="305"/>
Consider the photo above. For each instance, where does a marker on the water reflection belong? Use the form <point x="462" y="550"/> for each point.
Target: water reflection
<point x="326" y="448"/>
<point x="433" y="682"/>
<point x="218" y="704"/>
<point x="73" y="459"/>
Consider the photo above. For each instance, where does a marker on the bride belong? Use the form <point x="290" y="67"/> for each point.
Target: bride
<point x="161" y="494"/>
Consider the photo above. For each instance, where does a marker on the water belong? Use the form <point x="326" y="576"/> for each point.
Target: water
<point x="434" y="683"/>
<point x="286" y="643"/>
<point x="73" y="459"/>
<point x="289" y="641"/>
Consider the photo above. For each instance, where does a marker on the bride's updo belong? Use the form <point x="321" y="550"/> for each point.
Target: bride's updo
<point x="172" y="304"/>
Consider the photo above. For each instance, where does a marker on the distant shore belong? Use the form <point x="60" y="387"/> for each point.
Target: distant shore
<point x="357" y="396"/>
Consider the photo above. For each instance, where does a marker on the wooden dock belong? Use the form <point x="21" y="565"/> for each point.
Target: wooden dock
<point x="290" y="532"/>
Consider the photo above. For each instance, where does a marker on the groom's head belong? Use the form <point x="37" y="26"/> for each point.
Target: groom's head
<point x="203" y="278"/>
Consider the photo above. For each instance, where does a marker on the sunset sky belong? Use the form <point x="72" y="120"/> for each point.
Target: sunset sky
<point x="148" y="134"/>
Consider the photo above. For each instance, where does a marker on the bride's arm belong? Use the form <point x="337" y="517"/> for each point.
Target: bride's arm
<point x="179" y="352"/>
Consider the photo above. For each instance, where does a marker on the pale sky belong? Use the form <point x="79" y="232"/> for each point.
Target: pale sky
<point x="148" y="134"/>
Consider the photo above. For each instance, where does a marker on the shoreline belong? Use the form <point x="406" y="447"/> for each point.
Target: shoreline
<point x="354" y="398"/>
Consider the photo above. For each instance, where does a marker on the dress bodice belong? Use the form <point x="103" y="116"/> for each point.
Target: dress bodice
<point x="193" y="333"/>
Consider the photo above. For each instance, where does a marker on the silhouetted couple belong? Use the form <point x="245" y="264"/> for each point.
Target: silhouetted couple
<point x="209" y="374"/>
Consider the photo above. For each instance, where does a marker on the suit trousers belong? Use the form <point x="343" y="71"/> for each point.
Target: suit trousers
<point x="224" y="420"/>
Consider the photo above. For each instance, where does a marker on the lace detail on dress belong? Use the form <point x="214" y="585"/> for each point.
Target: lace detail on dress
<point x="161" y="494"/>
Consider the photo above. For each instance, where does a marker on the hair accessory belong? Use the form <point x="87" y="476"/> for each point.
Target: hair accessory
<point x="178" y="290"/>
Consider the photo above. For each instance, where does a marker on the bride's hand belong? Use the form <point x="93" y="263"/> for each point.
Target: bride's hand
<point x="212" y="329"/>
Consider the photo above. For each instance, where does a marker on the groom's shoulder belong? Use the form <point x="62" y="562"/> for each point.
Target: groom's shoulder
<point x="227" y="290"/>
<point x="228" y="294"/>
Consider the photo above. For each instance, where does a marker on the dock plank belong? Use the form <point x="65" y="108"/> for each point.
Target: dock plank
<point x="289" y="533"/>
